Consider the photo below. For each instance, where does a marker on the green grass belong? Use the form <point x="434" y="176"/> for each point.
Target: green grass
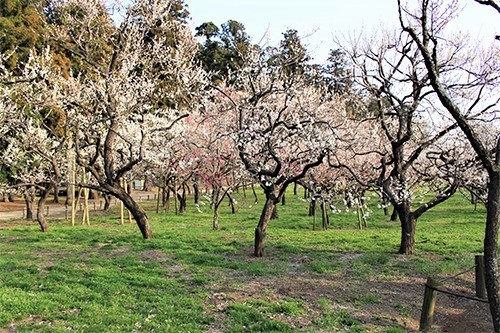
<point x="106" y="278"/>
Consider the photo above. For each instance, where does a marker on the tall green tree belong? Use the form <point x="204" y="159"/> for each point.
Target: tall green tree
<point x="224" y="49"/>
<point x="22" y="28"/>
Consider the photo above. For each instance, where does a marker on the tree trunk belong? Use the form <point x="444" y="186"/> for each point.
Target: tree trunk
<point x="196" y="190"/>
<point x="148" y="184"/>
<point x="283" y="200"/>
<point x="231" y="202"/>
<point x="175" y="196"/>
<point x="312" y="207"/>
<point x="56" y="194"/>
<point x="29" y="198"/>
<point x="394" y="215"/>
<point x="11" y="197"/>
<point x="274" y="214"/>
<point x="492" y="279"/>
<point x="182" y="202"/>
<point x="408" y="226"/>
<point x="324" y="215"/>
<point x="183" y="199"/>
<point x="255" y="194"/>
<point x="385" y="203"/>
<point x="93" y="194"/>
<point x="260" y="231"/>
<point x="216" y="202"/>
<point x="215" y="224"/>
<point x="107" y="202"/>
<point x="41" y="208"/>
<point x="137" y="212"/>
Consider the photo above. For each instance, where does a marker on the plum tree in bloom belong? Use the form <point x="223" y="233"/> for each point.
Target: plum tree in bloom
<point x="284" y="128"/>
<point x="469" y="93"/>
<point x="212" y="140"/>
<point x="140" y="82"/>
<point x="392" y="73"/>
<point x="33" y="126"/>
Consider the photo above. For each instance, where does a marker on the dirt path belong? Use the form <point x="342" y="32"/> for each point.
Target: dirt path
<point x="17" y="209"/>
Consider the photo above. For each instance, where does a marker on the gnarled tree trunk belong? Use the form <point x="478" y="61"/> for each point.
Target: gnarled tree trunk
<point x="137" y="212"/>
<point x="408" y="226"/>
<point x="40" y="217"/>
<point x="29" y="198"/>
<point x="260" y="231"/>
<point x="491" y="244"/>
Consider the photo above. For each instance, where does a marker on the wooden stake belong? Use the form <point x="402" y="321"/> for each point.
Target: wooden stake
<point x="158" y="200"/>
<point x="480" y="281"/>
<point x="121" y="205"/>
<point x="85" y="217"/>
<point x="427" y="317"/>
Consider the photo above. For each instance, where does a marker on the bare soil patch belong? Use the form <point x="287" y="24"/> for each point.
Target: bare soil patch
<point x="398" y="303"/>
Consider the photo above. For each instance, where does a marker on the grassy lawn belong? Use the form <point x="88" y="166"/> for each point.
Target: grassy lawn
<point x="189" y="278"/>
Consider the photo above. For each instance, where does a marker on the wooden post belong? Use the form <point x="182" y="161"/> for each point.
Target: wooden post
<point x="85" y="216"/>
<point x="24" y="213"/>
<point x="480" y="282"/>
<point x="157" y="197"/>
<point x="47" y="210"/>
<point x="121" y="204"/>
<point x="427" y="316"/>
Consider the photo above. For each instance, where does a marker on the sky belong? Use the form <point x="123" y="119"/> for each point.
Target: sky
<point x="319" y="20"/>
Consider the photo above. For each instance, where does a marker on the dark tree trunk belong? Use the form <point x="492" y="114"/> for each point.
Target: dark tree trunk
<point x="295" y="188"/>
<point x="312" y="207"/>
<point x="56" y="194"/>
<point x="29" y="198"/>
<point x="408" y="227"/>
<point x="231" y="203"/>
<point x="254" y="194"/>
<point x="11" y="197"/>
<point x="182" y="200"/>
<point x="196" y="189"/>
<point x="137" y="212"/>
<point x="260" y="231"/>
<point x="394" y="215"/>
<point x="93" y="194"/>
<point x="492" y="279"/>
<point x="283" y="200"/>
<point x="182" y="203"/>
<point x="385" y="203"/>
<point x="107" y="202"/>
<point x="166" y="198"/>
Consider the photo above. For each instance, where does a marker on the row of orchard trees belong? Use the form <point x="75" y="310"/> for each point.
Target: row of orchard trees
<point x="140" y="95"/>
